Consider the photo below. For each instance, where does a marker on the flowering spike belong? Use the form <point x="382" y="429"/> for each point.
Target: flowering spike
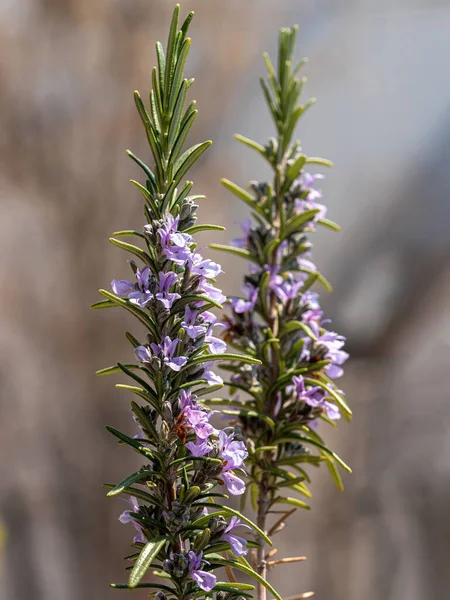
<point x="278" y="319"/>
<point x="170" y="291"/>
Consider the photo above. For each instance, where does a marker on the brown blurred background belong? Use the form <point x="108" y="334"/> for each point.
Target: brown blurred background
<point x="380" y="72"/>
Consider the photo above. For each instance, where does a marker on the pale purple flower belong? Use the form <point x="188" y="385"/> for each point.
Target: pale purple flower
<point x="122" y="286"/>
<point x="216" y="345"/>
<point x="193" y="330"/>
<point x="167" y="350"/>
<point x="205" y="267"/>
<point x="212" y="292"/>
<point x="138" y="293"/>
<point x="211" y="377"/>
<point x="233" y="453"/>
<point x="307" y="181"/>
<point x="332" y="411"/>
<point x="315" y="397"/>
<point x="304" y="263"/>
<point x="245" y="305"/>
<point x="235" y="486"/>
<point x="198" y="449"/>
<point x="198" y="420"/>
<point x="285" y="289"/>
<point x="205" y="581"/>
<point x="143" y="354"/>
<point x="312" y="397"/>
<point x="246" y="228"/>
<point x="175" y="245"/>
<point x="238" y="544"/>
<point x="333" y="343"/>
<point x="187" y="399"/>
<point x="166" y="281"/>
<point x="126" y="517"/>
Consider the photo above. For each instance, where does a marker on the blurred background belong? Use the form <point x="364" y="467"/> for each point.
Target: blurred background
<point x="380" y="72"/>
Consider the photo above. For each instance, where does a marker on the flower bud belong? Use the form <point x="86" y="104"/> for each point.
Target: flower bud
<point x="202" y="540"/>
<point x="167" y="411"/>
<point x="180" y="565"/>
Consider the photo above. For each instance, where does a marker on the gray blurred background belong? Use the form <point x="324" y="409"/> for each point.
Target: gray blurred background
<point x="380" y="72"/>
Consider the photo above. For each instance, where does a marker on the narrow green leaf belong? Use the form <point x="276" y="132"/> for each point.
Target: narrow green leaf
<point x="294" y="225"/>
<point x="156" y="586"/>
<point x="197" y="228"/>
<point x="138" y="476"/>
<point x="181" y="302"/>
<point x="330" y="224"/>
<point x="236" y="513"/>
<point x="245" y="197"/>
<point x="146" y="195"/>
<point x="131" y="442"/>
<point x="103" y="304"/>
<point x="236" y="251"/>
<point x="221" y="357"/>
<point x="175" y="121"/>
<point x="116" y="369"/>
<point x="129" y="232"/>
<point x="235" y="585"/>
<point x="251" y="144"/>
<point x="216" y="558"/>
<point x="185" y="162"/>
<point x="250" y="414"/>
<point x="319" y="161"/>
<point x="132" y="249"/>
<point x="144" y="167"/>
<point x="148" y="553"/>
<point x="292" y="326"/>
<point x="292" y="501"/>
<point x="178" y="75"/>
<point x="170" y="52"/>
<point x="137" y="312"/>
<point x="294" y="170"/>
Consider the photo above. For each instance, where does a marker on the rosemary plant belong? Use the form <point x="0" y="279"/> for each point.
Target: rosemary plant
<point x="176" y="500"/>
<point x="279" y="320"/>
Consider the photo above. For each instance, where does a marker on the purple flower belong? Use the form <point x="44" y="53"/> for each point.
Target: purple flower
<point x="193" y="330"/>
<point x="198" y="449"/>
<point x="212" y="292"/>
<point x="167" y="350"/>
<point x="126" y="517"/>
<point x="312" y="397"/>
<point x="200" y="266"/>
<point x="315" y="397"/>
<point x="235" y="486"/>
<point x="333" y="344"/>
<point x="245" y="305"/>
<point x="205" y="581"/>
<point x="304" y="263"/>
<point x="216" y="345"/>
<point x="211" y="377"/>
<point x="187" y="400"/>
<point x="175" y="245"/>
<point x="138" y="293"/>
<point x="238" y="544"/>
<point x="233" y="453"/>
<point x="246" y="228"/>
<point x="332" y="411"/>
<point x="143" y="354"/>
<point x="285" y="289"/>
<point x="166" y="281"/>
<point x="198" y="420"/>
<point x="306" y="181"/>
<point x="122" y="286"/>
